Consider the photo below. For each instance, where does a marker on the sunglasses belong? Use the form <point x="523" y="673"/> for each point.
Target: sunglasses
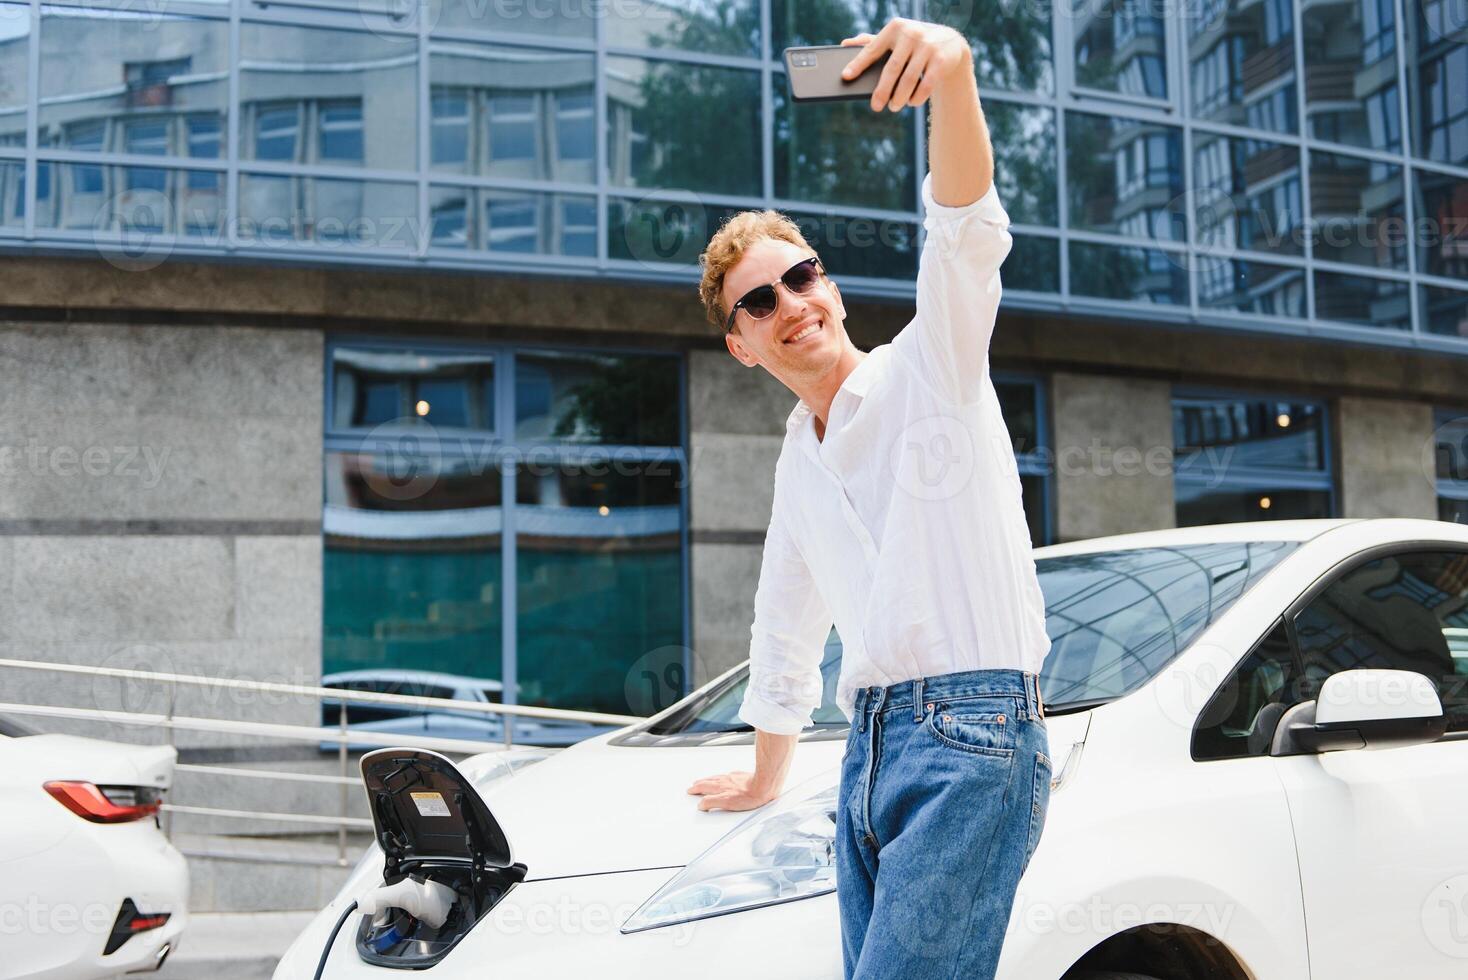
<point x="761" y="301"/>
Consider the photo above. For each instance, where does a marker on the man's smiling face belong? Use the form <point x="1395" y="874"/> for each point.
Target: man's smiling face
<point x="804" y="337"/>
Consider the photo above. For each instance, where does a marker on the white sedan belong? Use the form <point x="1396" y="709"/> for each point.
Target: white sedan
<point x="1260" y="745"/>
<point x="89" y="886"/>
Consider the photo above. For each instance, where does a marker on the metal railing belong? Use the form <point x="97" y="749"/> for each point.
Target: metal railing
<point x="341" y="735"/>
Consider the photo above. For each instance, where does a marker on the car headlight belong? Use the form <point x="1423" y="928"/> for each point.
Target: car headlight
<point x="777" y="855"/>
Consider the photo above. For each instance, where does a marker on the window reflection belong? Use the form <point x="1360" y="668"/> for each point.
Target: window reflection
<point x="409" y="390"/>
<point x="128" y="200"/>
<point x="1248" y="194"/>
<point x="1358" y="209"/>
<point x="1368" y="302"/>
<point x="880" y="248"/>
<point x="15" y="29"/>
<point x="672" y="124"/>
<point x="131" y="82"/>
<point x="1271" y="433"/>
<point x="328" y="211"/>
<point x="606" y="399"/>
<point x="1139" y="275"/>
<point x="1243" y="63"/>
<point x="794" y="22"/>
<point x="1351" y="73"/>
<point x="512" y="112"/>
<point x="1033" y="265"/>
<point x="843" y="153"/>
<point x="1120" y="46"/>
<point x="489" y="220"/>
<point x="1023" y="138"/>
<point x="1445" y="311"/>
<point x="1125" y="177"/>
<point x="1442" y="225"/>
<point x="1246" y="286"/>
<point x="329" y="97"/>
<point x="598" y="580"/>
<point x="713" y="26"/>
<point x="1437" y="65"/>
<point x="1011" y="43"/>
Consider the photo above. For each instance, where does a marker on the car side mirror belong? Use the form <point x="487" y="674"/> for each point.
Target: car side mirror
<point x="1363" y="709"/>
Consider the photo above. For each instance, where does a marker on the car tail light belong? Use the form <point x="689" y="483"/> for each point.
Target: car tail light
<point x="129" y="923"/>
<point x="106" y="804"/>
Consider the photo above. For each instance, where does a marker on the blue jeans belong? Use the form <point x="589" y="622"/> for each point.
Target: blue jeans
<point x="944" y="789"/>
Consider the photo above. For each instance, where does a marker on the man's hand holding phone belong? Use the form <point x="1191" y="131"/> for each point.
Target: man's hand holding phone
<point x="919" y="57"/>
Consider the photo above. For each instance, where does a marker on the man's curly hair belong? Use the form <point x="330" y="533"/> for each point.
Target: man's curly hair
<point x="728" y="246"/>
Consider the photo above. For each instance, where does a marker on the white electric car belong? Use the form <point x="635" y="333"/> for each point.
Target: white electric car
<point x="1260" y="751"/>
<point x="89" y="886"/>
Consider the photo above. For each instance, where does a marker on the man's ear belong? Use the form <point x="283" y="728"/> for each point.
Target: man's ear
<point x="737" y="348"/>
<point x="836" y="292"/>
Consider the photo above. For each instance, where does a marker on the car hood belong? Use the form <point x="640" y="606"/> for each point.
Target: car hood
<point x="596" y="808"/>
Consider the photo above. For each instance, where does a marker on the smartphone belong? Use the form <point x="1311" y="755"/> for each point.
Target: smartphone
<point x="815" y="73"/>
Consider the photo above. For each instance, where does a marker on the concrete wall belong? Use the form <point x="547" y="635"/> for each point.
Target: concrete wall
<point x="1113" y="443"/>
<point x="160" y="508"/>
<point x="1385" y="458"/>
<point x="736" y="423"/>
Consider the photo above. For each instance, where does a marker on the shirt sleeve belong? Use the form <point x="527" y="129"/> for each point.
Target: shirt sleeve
<point x="958" y="293"/>
<point x="787" y="638"/>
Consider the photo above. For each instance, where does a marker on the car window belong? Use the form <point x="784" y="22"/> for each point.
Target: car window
<point x="1398" y="612"/>
<point x="1115" y="618"/>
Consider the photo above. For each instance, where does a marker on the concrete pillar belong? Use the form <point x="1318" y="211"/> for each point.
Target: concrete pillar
<point x="1113" y="455"/>
<point x="736" y="423"/>
<point x="1385" y="458"/>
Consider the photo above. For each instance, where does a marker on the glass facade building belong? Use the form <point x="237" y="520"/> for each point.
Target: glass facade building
<point x="1288" y="165"/>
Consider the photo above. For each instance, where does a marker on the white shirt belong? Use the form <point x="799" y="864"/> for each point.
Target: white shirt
<point x="904" y="525"/>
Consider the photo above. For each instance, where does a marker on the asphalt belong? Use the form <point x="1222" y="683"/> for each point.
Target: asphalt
<point x="232" y="946"/>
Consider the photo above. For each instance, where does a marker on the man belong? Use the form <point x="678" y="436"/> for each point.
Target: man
<point x="897" y="515"/>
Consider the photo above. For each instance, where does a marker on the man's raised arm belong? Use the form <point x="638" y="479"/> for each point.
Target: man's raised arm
<point x="967" y="229"/>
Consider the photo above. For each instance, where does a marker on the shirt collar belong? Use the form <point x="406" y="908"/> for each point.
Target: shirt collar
<point x="858" y="382"/>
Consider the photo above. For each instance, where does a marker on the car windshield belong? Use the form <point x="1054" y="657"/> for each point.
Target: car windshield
<point x="1115" y="618"/>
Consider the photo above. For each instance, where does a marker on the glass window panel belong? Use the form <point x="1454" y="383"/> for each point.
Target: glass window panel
<point x="1451" y="509"/>
<point x="1437" y="71"/>
<point x="607" y="399"/>
<point x="1032" y="495"/>
<point x="1359" y="299"/>
<point x="655" y="232"/>
<point x="1125" y="176"/>
<point x="794" y="22"/>
<point x="576" y="21"/>
<point x="130" y="200"/>
<point x="1248" y="195"/>
<point x="1242" y="59"/>
<point x="328" y="211"/>
<point x="1120" y="46"/>
<point x="513" y="112"/>
<point x="1018" y="403"/>
<point x="1197" y="504"/>
<point x="675" y="125"/>
<point x="411" y="565"/>
<point x="1139" y="275"/>
<point x="730" y="27"/>
<point x="1246" y="286"/>
<point x="12" y="194"/>
<point x="599" y="580"/>
<point x="1351" y="74"/>
<point x="1444" y="311"/>
<point x="1011" y="43"/>
<point x="339" y="98"/>
<point x="857" y="246"/>
<point x="1442" y="224"/>
<point x="1358" y="210"/>
<point x="103" y="72"/>
<point x="411" y="389"/>
<point x="15" y="29"/>
<point x="1033" y="265"/>
<point x="484" y="219"/>
<point x="843" y="153"/>
<point x="1451" y="436"/>
<point x="1210" y="434"/>
<point x="1024" y="160"/>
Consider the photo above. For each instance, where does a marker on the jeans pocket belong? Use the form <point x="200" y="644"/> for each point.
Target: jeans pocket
<point x="1039" y="805"/>
<point x="982" y="730"/>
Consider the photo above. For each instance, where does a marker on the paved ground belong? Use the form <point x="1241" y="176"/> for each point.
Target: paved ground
<point x="233" y="945"/>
